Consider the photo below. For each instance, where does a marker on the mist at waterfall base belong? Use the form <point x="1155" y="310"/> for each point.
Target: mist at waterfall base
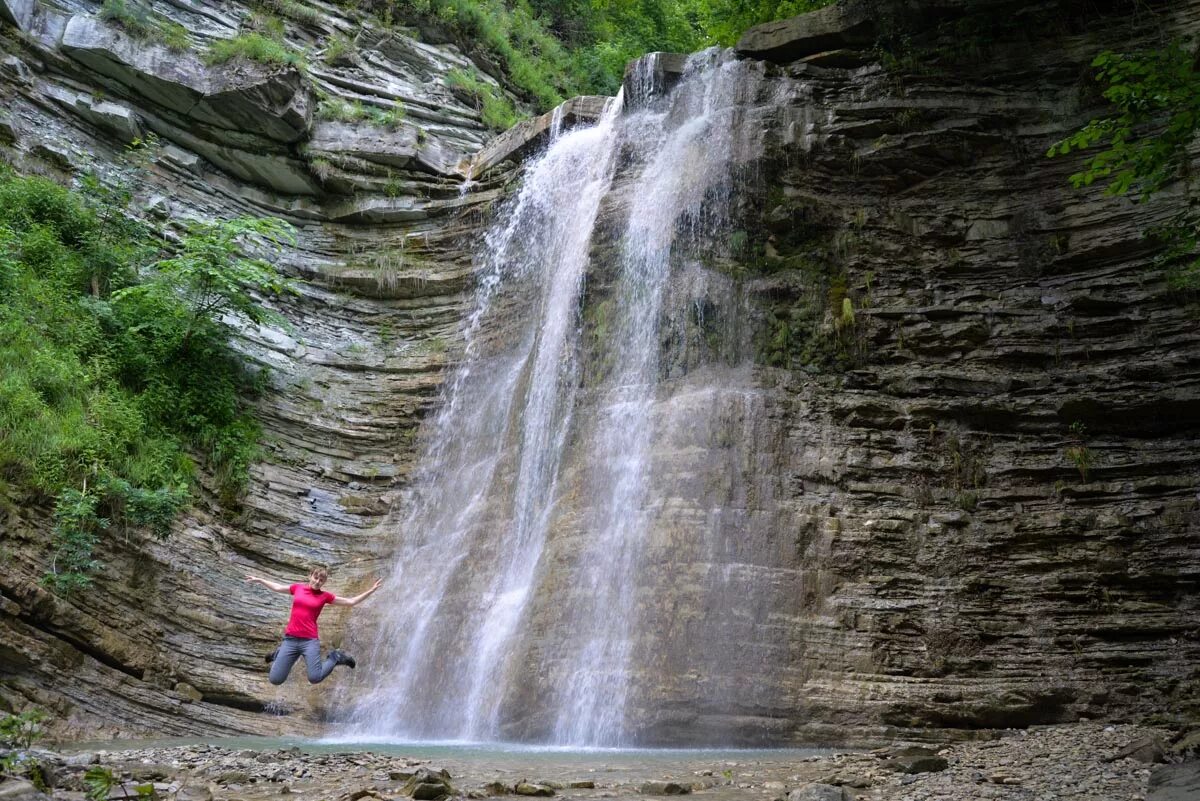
<point x="526" y="603"/>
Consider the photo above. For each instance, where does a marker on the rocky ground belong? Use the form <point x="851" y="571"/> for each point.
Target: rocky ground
<point x="1078" y="761"/>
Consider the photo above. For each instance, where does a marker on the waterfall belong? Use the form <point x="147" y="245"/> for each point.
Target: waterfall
<point x="513" y="610"/>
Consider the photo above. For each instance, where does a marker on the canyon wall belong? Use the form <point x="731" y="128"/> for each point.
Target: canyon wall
<point x="947" y="455"/>
<point x="170" y="640"/>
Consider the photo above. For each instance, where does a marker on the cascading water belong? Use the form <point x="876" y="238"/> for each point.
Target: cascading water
<point x="514" y="607"/>
<point x="685" y="146"/>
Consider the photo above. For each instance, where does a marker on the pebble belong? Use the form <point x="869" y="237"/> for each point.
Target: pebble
<point x="1068" y="762"/>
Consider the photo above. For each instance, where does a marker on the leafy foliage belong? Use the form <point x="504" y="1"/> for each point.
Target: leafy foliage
<point x="1156" y="115"/>
<point x="113" y="373"/>
<point x="99" y="782"/>
<point x="209" y="274"/>
<point x="552" y="49"/>
<point x="1156" y="100"/>
<point x="23" y="730"/>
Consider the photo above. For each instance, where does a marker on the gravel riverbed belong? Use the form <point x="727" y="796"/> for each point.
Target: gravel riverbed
<point x="1078" y="761"/>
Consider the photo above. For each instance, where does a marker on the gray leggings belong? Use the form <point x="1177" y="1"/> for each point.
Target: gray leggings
<point x="292" y="649"/>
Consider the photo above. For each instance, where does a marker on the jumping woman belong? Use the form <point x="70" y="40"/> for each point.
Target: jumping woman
<point x="300" y="638"/>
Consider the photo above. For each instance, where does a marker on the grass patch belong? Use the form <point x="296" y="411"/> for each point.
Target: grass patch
<point x="254" y="47"/>
<point x="495" y="109"/>
<point x="296" y="12"/>
<point x="340" y="49"/>
<point x="144" y="23"/>
<point x="357" y="111"/>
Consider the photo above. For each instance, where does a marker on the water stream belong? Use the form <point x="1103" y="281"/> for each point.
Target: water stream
<point x="517" y="601"/>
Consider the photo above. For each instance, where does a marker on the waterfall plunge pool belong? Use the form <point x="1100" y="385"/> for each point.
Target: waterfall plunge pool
<point x="484" y="752"/>
<point x="337" y="765"/>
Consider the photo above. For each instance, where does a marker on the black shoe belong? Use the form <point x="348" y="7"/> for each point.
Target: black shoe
<point x="342" y="658"/>
<point x="271" y="656"/>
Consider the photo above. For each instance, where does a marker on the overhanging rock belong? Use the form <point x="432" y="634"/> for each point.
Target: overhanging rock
<point x="844" y="25"/>
<point x="519" y="140"/>
<point x="242" y="97"/>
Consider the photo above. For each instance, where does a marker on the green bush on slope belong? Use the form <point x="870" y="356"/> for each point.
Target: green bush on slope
<point x="553" y="49"/>
<point x="112" y="377"/>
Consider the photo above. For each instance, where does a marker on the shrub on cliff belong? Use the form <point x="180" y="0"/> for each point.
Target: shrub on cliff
<point x="1148" y="135"/>
<point x="552" y="49"/>
<point x="495" y="110"/>
<point x="115" y="368"/>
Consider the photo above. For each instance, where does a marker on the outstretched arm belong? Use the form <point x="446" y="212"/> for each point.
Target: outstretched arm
<point x="357" y="599"/>
<point x="273" y="586"/>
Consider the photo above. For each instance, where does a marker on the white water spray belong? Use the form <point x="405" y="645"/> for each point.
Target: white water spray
<point x="471" y="570"/>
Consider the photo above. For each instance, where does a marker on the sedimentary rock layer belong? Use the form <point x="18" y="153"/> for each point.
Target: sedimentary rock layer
<point x="958" y="464"/>
<point x="170" y="640"/>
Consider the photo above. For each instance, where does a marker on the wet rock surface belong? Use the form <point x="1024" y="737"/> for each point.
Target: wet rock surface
<point x="1055" y="762"/>
<point x="974" y="507"/>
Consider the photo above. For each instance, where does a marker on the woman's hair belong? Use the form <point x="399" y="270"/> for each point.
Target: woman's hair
<point x="319" y="573"/>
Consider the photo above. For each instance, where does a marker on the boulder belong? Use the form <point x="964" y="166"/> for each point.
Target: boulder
<point x="1144" y="749"/>
<point x="20" y="790"/>
<point x="131" y="791"/>
<point x="1187" y="744"/>
<point x="244" y="96"/>
<point x="531" y="789"/>
<point x="18" y="12"/>
<point x="15" y="70"/>
<point x="81" y="760"/>
<point x="818" y="792"/>
<point x="193" y="792"/>
<point x="233" y="777"/>
<point x="427" y="784"/>
<point x="664" y="788"/>
<point x="113" y="117"/>
<point x="189" y="693"/>
<point x="1180" y="782"/>
<point x="916" y="760"/>
<point x="844" y="25"/>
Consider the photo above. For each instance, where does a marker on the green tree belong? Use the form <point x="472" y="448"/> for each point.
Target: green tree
<point x="1155" y="98"/>
<point x="114" y="372"/>
<point x="211" y="275"/>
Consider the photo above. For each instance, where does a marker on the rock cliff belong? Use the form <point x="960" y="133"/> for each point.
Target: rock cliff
<point x="170" y="640"/>
<point x="962" y="481"/>
<point x="955" y="460"/>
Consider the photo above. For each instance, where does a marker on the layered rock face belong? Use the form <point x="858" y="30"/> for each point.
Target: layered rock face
<point x="940" y="427"/>
<point x="170" y="640"/>
<point x="960" y="489"/>
<point x="921" y="455"/>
